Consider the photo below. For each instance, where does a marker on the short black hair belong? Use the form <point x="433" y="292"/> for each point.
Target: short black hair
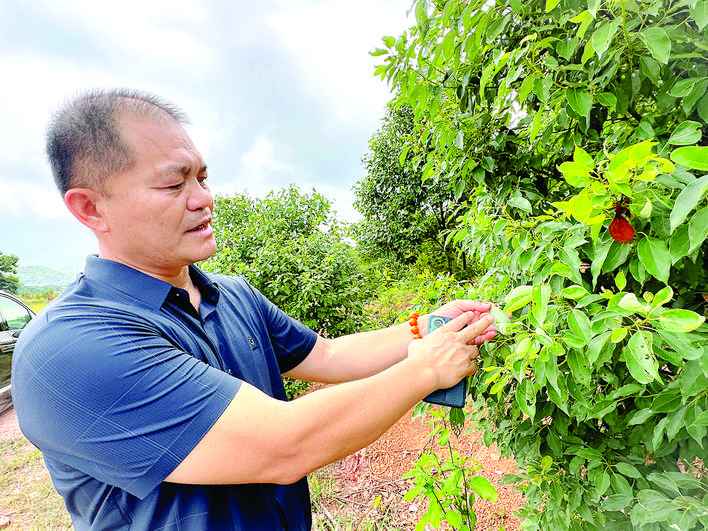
<point x="84" y="144"/>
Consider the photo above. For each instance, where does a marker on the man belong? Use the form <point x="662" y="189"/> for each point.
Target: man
<point x="154" y="390"/>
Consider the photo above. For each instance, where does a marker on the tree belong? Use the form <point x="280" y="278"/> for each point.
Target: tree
<point x="291" y="248"/>
<point x="576" y="119"/>
<point x="402" y="212"/>
<point x="9" y="281"/>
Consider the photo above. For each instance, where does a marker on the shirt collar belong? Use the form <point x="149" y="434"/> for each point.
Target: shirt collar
<point x="141" y="286"/>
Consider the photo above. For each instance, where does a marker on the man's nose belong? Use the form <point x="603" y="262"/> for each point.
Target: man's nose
<point x="199" y="196"/>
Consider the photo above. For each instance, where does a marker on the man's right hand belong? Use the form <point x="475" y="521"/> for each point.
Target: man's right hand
<point x="449" y="351"/>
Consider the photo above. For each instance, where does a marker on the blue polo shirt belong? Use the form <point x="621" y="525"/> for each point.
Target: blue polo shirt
<point x="119" y="378"/>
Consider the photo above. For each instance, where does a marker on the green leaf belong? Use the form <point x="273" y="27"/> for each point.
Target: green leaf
<point x="694" y="157"/>
<point x="630" y="303"/>
<point x="580" y="325"/>
<point x="683" y="87"/>
<point x="580" y="100"/>
<point x="607" y="99"/>
<point x="551" y="4"/>
<point x="698" y="229"/>
<point x="518" y="298"/>
<point x="602" y="38"/>
<point x="699" y="12"/>
<point x="686" y="133"/>
<point x="640" y="416"/>
<point x="639" y="357"/>
<point x="617" y="502"/>
<point x="654" y="254"/>
<point x="420" y="15"/>
<point x="628" y="470"/>
<point x="574" y="292"/>
<point x="483" y="488"/>
<point x="519" y="202"/>
<point x="575" y="173"/>
<point x="688" y="198"/>
<point x="579" y="366"/>
<point x="657" y="42"/>
<point x="680" y="320"/>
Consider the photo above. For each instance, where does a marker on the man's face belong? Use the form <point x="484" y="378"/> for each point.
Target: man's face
<point x="158" y="213"/>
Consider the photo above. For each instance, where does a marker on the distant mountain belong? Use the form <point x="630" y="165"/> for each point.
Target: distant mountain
<point x="39" y="279"/>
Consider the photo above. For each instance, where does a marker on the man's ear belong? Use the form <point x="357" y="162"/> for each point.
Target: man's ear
<point x="83" y="203"/>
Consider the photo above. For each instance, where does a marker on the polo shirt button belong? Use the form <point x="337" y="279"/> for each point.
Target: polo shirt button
<point x="251" y="342"/>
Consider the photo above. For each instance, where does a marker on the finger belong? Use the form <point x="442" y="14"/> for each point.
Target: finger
<point x="477" y="329"/>
<point x="474" y="306"/>
<point x="457" y="323"/>
<point x="473" y="370"/>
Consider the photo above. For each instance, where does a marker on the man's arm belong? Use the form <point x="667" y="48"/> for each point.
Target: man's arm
<point x="262" y="440"/>
<point x="361" y="355"/>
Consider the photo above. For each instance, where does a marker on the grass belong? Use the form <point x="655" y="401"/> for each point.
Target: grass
<point x="331" y="514"/>
<point x="27" y="496"/>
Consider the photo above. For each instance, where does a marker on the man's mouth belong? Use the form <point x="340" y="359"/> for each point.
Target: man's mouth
<point x="200" y="227"/>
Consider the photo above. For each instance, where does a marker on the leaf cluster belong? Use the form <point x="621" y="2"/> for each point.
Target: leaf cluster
<point x="291" y="248"/>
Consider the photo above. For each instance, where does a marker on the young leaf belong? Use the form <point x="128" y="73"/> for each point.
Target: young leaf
<point x="483" y="488"/>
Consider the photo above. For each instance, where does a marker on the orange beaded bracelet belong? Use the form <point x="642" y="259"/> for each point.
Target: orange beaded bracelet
<point x="413" y="321"/>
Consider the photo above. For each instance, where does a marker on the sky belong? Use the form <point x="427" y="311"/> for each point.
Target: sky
<point x="277" y="92"/>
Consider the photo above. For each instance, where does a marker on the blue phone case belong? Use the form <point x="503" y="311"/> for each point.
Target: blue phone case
<point x="453" y="396"/>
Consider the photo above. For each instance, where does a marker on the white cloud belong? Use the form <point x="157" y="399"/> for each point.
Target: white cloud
<point x="330" y="42"/>
<point x="19" y="197"/>
<point x="260" y="162"/>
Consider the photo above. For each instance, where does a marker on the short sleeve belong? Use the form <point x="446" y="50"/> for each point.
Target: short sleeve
<point x="115" y="399"/>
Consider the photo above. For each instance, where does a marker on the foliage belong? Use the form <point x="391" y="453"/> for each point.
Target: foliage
<point x="9" y="281"/>
<point x="401" y="211"/>
<point x="449" y="482"/>
<point x="506" y="90"/>
<point x="290" y="247"/>
<point x="566" y="116"/>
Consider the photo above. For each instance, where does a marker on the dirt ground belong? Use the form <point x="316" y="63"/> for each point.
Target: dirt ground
<point x="368" y="483"/>
<point x="375" y="473"/>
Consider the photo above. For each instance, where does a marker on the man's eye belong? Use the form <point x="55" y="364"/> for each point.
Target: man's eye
<point x="202" y="180"/>
<point x="176" y="186"/>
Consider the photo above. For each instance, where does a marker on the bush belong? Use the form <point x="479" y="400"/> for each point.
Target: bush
<point x="291" y="248"/>
<point x="584" y="127"/>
